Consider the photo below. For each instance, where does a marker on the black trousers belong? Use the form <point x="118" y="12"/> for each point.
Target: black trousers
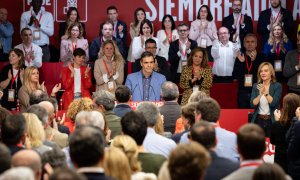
<point x="265" y="124"/>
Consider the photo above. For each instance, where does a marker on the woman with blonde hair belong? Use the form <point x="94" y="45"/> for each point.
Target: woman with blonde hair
<point x="265" y="97"/>
<point x="35" y="133"/>
<point x="130" y="148"/>
<point x="116" y="164"/>
<point x="109" y="68"/>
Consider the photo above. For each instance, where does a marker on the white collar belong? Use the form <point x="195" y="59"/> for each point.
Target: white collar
<point x="90" y="170"/>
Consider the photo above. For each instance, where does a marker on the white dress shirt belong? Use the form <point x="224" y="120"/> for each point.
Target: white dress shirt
<point x="164" y="47"/>
<point x="138" y="48"/>
<point x="37" y="51"/>
<point x="77" y="80"/>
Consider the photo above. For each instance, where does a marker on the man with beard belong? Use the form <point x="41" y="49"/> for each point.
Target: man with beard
<point x="237" y="23"/>
<point x="274" y="15"/>
<point x="292" y="68"/>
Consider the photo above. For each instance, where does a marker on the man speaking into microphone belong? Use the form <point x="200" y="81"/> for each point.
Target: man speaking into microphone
<point x="145" y="84"/>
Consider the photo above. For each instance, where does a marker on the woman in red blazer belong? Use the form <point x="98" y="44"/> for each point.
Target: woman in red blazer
<point x="76" y="79"/>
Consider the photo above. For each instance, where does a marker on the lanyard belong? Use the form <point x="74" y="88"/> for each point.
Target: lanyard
<point x="74" y="46"/>
<point x="35" y="25"/>
<point x="115" y="30"/>
<point x="239" y="20"/>
<point x="169" y="37"/>
<point x="253" y="164"/>
<point x="183" y="52"/>
<point x="277" y="16"/>
<point x="248" y="67"/>
<point x="14" y="79"/>
<point x="106" y="68"/>
<point x="277" y="50"/>
<point x="27" y="54"/>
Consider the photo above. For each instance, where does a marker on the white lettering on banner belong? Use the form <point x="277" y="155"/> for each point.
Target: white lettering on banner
<point x="296" y="10"/>
<point x="184" y="5"/>
<point x="153" y="10"/>
<point x="169" y="6"/>
<point x="45" y="2"/>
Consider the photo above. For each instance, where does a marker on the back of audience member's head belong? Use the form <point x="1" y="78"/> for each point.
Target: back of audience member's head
<point x="55" y="157"/>
<point x="18" y="173"/>
<point x="188" y="161"/>
<point x="290" y="103"/>
<point x="54" y="103"/>
<point x="122" y="94"/>
<point x="188" y="114"/>
<point x="41" y="113"/>
<point x="37" y="96"/>
<point x="208" y="109"/>
<point x="105" y="99"/>
<point x="34" y="130"/>
<point x="78" y="105"/>
<point x="66" y="174"/>
<point x="3" y="114"/>
<point x="5" y="159"/>
<point x="28" y="158"/>
<point x="116" y="164"/>
<point x="197" y="96"/>
<point x="169" y="91"/>
<point x="269" y="171"/>
<point x="134" y="125"/>
<point x="130" y="148"/>
<point x="86" y="146"/>
<point x="13" y="129"/>
<point x="251" y="141"/>
<point x="204" y="133"/>
<point x="149" y="111"/>
<point x="93" y="118"/>
<point x="49" y="107"/>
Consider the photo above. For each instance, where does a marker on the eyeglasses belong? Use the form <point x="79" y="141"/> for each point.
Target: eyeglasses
<point x="224" y="33"/>
<point x="182" y="30"/>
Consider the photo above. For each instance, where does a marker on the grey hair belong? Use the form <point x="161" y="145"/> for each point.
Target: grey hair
<point x="169" y="91"/>
<point x="18" y="173"/>
<point x="104" y="98"/>
<point x="40" y="112"/>
<point x="93" y="118"/>
<point x="150" y="112"/>
<point x="197" y="96"/>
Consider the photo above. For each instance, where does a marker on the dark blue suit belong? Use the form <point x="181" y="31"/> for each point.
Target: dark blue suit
<point x="121" y="109"/>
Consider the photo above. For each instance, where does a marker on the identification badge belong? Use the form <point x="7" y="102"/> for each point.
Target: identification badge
<point x="183" y="63"/>
<point x="203" y="42"/>
<point x="11" y="95"/>
<point x="278" y="65"/>
<point x="110" y="86"/>
<point x="248" y="80"/>
<point x="195" y="88"/>
<point x="36" y="35"/>
<point x="298" y="79"/>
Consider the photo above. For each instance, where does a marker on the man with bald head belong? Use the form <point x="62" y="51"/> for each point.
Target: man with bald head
<point x="6" y="33"/>
<point x="28" y="158"/>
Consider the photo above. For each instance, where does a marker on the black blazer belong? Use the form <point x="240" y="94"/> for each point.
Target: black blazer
<point x="118" y="37"/>
<point x="163" y="66"/>
<point x="63" y="28"/>
<point x="264" y="21"/>
<point x="229" y="21"/>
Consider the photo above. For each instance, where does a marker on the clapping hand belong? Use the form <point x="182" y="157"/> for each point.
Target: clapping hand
<point x="71" y="69"/>
<point x="277" y="114"/>
<point x="87" y="70"/>
<point x="261" y="88"/>
<point x="120" y="28"/>
<point x="240" y="56"/>
<point x="55" y="89"/>
<point x="298" y="113"/>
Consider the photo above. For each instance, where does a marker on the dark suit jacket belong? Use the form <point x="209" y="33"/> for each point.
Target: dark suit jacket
<point x="163" y="66"/>
<point x="124" y="38"/>
<point x="264" y="21"/>
<point x="293" y="151"/>
<point x="174" y="58"/>
<point x="121" y="109"/>
<point x="220" y="167"/>
<point x="96" y="176"/>
<point x="248" y="28"/>
<point x="171" y="112"/>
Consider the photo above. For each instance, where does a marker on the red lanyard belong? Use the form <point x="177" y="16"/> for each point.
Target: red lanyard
<point x="27" y="56"/>
<point x="35" y="25"/>
<point x="74" y="46"/>
<point x="169" y="37"/>
<point x="277" y="16"/>
<point x="253" y="164"/>
<point x="277" y="50"/>
<point x="115" y="30"/>
<point x="106" y="68"/>
<point x="184" y="52"/>
<point x="13" y="79"/>
<point x="236" y="26"/>
<point x="248" y="67"/>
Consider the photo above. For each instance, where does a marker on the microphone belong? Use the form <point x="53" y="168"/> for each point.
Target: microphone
<point x="153" y="92"/>
<point x="134" y="89"/>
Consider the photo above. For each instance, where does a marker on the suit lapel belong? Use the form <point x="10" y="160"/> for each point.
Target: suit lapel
<point x="140" y="83"/>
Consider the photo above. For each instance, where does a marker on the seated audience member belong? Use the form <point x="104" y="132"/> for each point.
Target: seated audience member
<point x="204" y="133"/>
<point x="5" y="160"/>
<point x="224" y="53"/>
<point x="116" y="164"/>
<point x="37" y="96"/>
<point x="134" y="124"/>
<point x="188" y="161"/>
<point x="32" y="53"/>
<point x="104" y="102"/>
<point x="265" y="97"/>
<point x="276" y="48"/>
<point x="270" y="171"/>
<point x="123" y="97"/>
<point x="196" y="75"/>
<point x="76" y="79"/>
<point x="154" y="142"/>
<point x="3" y="114"/>
<point x="13" y="132"/>
<point x="30" y="84"/>
<point x="166" y="35"/>
<point x="35" y="133"/>
<point x="179" y="51"/>
<point x="109" y="68"/>
<point x="251" y="146"/>
<point x="56" y="158"/>
<point x="171" y="109"/>
<point x="18" y="173"/>
<point x="6" y="33"/>
<point x="293" y="148"/>
<point x="245" y="70"/>
<point x="138" y="43"/>
<point x="209" y="110"/>
<point x="28" y="158"/>
<point x="292" y="68"/>
<point x="66" y="174"/>
<point x="187" y="119"/>
<point x="76" y="106"/>
<point x="73" y="42"/>
<point x="106" y="33"/>
<point x="160" y="65"/>
<point x="145" y="85"/>
<point x="90" y="142"/>
<point x="130" y="148"/>
<point x="72" y="17"/>
<point x="11" y="79"/>
<point x="281" y="126"/>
